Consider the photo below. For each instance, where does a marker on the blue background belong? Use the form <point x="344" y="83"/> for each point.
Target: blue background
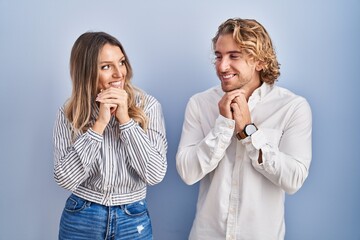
<point x="169" y="46"/>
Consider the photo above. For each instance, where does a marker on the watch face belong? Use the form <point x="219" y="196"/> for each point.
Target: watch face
<point x="250" y="129"/>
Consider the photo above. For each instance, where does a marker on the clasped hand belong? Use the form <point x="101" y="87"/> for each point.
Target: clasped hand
<point x="113" y="101"/>
<point x="233" y="105"/>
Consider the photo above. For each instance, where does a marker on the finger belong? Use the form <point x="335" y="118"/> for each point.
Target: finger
<point x="235" y="108"/>
<point x="241" y="100"/>
<point x="107" y="107"/>
<point x="113" y="110"/>
<point x="111" y="93"/>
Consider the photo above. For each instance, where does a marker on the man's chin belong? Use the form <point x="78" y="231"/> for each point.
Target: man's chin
<point x="228" y="88"/>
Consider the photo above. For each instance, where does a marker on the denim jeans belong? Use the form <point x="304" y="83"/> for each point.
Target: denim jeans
<point x="82" y="220"/>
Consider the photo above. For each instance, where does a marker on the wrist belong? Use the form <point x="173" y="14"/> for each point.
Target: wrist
<point x="248" y="130"/>
<point x="99" y="127"/>
<point x="240" y="135"/>
<point x="123" y="120"/>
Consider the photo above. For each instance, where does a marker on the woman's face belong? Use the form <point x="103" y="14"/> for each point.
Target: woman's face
<point x="111" y="67"/>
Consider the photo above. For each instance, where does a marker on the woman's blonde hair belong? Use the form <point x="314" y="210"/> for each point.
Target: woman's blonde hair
<point x="85" y="77"/>
<point x="253" y="38"/>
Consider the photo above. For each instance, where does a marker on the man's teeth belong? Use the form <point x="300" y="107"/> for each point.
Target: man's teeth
<point x="228" y="76"/>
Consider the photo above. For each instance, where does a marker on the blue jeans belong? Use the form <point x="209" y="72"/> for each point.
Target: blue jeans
<point x="82" y="220"/>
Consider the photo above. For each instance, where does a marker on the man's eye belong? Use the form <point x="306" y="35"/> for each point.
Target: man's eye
<point x="234" y="56"/>
<point x="105" y="67"/>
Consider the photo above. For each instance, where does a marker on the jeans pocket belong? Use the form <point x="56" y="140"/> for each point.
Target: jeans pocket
<point x="136" y="209"/>
<point x="75" y="204"/>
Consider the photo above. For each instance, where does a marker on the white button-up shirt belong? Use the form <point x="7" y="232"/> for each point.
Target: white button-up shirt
<point x="238" y="197"/>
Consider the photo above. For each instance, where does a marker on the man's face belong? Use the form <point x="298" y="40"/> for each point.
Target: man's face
<point x="234" y="67"/>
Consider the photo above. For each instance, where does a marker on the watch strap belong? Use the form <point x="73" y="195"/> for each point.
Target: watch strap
<point x="241" y="135"/>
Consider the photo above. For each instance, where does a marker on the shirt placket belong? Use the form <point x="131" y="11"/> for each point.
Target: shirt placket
<point x="107" y="170"/>
<point x="234" y="196"/>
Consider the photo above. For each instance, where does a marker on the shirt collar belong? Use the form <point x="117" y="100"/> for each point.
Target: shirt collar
<point x="261" y="91"/>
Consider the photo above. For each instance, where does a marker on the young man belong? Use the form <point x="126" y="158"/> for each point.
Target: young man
<point x="246" y="141"/>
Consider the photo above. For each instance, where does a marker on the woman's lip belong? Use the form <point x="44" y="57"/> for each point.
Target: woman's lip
<point x="116" y="84"/>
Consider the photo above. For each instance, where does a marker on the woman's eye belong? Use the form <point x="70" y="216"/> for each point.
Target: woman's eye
<point x="122" y="63"/>
<point x="105" y="67"/>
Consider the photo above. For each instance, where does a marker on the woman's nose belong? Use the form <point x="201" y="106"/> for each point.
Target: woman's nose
<point x="117" y="73"/>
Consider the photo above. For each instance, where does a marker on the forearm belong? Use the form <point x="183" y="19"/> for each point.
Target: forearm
<point x="99" y="127"/>
<point x="287" y="172"/>
<point x="146" y="150"/>
<point x="193" y="162"/>
<point x="283" y="166"/>
<point x="72" y="161"/>
<point x="198" y="154"/>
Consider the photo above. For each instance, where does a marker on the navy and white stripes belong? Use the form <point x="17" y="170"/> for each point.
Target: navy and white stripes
<point x="113" y="168"/>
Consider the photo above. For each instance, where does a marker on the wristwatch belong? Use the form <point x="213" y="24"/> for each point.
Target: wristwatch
<point x="249" y="129"/>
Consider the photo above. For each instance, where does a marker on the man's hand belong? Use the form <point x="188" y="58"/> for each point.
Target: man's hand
<point x="233" y="105"/>
<point x="225" y="103"/>
<point x="241" y="112"/>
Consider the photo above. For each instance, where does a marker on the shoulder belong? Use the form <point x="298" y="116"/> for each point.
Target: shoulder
<point x="61" y="110"/>
<point x="205" y="101"/>
<point x="286" y="94"/>
<point x="61" y="118"/>
<point x="209" y="95"/>
<point x="145" y="100"/>
<point x="289" y="97"/>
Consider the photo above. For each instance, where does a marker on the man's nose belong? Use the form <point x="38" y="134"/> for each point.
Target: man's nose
<point x="224" y="64"/>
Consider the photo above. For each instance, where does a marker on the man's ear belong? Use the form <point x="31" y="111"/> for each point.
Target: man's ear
<point x="259" y="66"/>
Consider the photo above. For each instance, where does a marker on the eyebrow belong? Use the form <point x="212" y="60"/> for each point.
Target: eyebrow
<point x="102" y="62"/>
<point x="229" y="52"/>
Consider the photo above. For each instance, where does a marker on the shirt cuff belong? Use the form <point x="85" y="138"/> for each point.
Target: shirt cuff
<point x="220" y="139"/>
<point x="258" y="139"/>
<point x="224" y="125"/>
<point x="94" y="135"/>
<point x="127" y="125"/>
<point x="258" y="142"/>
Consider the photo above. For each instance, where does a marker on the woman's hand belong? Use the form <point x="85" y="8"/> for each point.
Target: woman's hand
<point x="114" y="101"/>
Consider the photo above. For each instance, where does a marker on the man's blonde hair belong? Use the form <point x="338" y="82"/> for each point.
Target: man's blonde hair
<point x="253" y="38"/>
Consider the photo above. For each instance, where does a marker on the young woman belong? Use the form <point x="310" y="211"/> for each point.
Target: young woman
<point x="109" y="144"/>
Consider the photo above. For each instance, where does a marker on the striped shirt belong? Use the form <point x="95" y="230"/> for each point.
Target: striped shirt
<point x="113" y="168"/>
